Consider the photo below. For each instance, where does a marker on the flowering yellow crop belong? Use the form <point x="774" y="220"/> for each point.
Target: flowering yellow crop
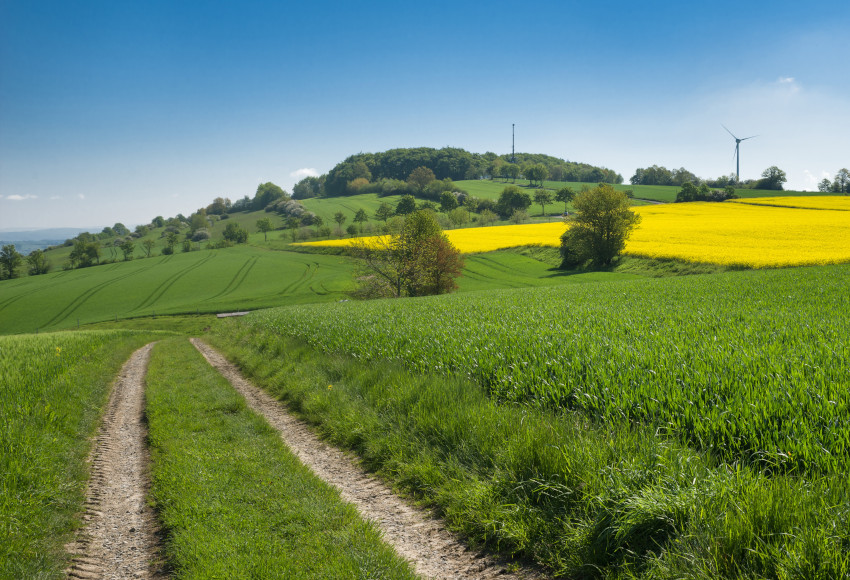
<point x="743" y="234"/>
<point x="836" y="202"/>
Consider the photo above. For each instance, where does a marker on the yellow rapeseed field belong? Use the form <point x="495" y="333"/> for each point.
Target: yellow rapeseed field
<point x="735" y="234"/>
<point x="835" y="202"/>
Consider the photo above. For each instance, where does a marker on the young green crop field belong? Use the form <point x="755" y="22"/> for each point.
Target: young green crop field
<point x="751" y="366"/>
<point x="237" y="278"/>
<point x="244" y="277"/>
<point x="53" y="388"/>
<point x="691" y="427"/>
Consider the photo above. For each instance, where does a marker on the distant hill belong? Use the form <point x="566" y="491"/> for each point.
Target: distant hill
<point x="25" y="241"/>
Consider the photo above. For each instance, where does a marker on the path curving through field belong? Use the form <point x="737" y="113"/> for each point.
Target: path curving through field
<point x="119" y="539"/>
<point x="414" y="533"/>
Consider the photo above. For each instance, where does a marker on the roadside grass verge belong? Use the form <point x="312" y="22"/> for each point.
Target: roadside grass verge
<point x="53" y="390"/>
<point x="233" y="500"/>
<point x="585" y="499"/>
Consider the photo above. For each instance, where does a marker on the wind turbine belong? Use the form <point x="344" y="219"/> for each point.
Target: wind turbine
<point x="737" y="152"/>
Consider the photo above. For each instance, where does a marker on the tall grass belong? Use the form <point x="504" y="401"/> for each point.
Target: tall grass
<point x="586" y="499"/>
<point x="748" y="366"/>
<point x="53" y="388"/>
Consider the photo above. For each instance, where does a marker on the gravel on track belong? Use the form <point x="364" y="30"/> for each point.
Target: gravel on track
<point x="414" y="533"/>
<point x="120" y="537"/>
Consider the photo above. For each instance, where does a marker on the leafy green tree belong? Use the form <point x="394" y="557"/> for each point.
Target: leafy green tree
<point x="448" y="201"/>
<point x="512" y="170"/>
<point x="360" y="217"/>
<point x="420" y="177"/>
<point x="338" y="178"/>
<point x="142" y="230"/>
<point x="418" y="261"/>
<point x="198" y="221"/>
<point x="307" y="188"/>
<point x="292" y="224"/>
<point x="406" y="205"/>
<point x="38" y="263"/>
<point x="487" y="217"/>
<point x="265" y="225"/>
<point x="127" y="247"/>
<point x="842" y="181"/>
<point x="158" y="222"/>
<point x="772" y="178"/>
<point x="266" y="194"/>
<point x="511" y="199"/>
<point x="565" y="195"/>
<point x="536" y="173"/>
<point x="318" y="221"/>
<point x="351" y="230"/>
<point x="148" y="245"/>
<point x="519" y="216"/>
<point x="339" y="218"/>
<point x="120" y="229"/>
<point x="543" y="198"/>
<point x="602" y="224"/>
<point x="219" y="206"/>
<point x="384" y="212"/>
<point x="10" y="260"/>
<point x="235" y="233"/>
<point x="459" y="216"/>
<point x="825" y="186"/>
<point x="170" y="242"/>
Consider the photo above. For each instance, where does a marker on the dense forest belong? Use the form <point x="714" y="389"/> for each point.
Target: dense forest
<point x="392" y="168"/>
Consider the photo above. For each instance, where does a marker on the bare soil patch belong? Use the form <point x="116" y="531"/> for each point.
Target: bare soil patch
<point x="119" y="539"/>
<point x="414" y="533"/>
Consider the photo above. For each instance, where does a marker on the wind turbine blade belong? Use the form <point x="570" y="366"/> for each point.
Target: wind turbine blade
<point x="727" y="130"/>
<point x="753" y="137"/>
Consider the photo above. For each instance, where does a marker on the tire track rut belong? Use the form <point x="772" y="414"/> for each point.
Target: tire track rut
<point x="414" y="533"/>
<point x="119" y="539"/>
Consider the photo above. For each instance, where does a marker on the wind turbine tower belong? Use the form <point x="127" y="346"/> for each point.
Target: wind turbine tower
<point x="737" y="152"/>
<point x="513" y="133"/>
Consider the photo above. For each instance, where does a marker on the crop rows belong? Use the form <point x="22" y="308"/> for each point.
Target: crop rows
<point x="752" y="366"/>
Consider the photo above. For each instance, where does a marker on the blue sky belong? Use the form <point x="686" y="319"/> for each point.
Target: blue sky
<point x="119" y="111"/>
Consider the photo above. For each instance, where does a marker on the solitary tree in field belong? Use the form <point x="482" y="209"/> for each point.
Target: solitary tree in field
<point x="265" y="225"/>
<point x="127" y="247"/>
<point x="418" y="261"/>
<point x="292" y="224"/>
<point x="235" y="233"/>
<point x="772" y="178"/>
<point x="384" y="212"/>
<point x="10" y="259"/>
<point x="318" y="221"/>
<point x="38" y="264"/>
<point x="339" y="218"/>
<point x="360" y="217"/>
<point x="148" y="245"/>
<point x="601" y="226"/>
<point x="542" y="197"/>
<point x="565" y="194"/>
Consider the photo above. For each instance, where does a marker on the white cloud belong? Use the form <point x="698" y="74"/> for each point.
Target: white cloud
<point x="54" y="197"/>
<point x="81" y="196"/>
<point x="304" y="172"/>
<point x="16" y="197"/>
<point x="786" y="80"/>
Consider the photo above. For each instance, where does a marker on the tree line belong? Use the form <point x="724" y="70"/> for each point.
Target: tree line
<point x="772" y="178"/>
<point x="388" y="172"/>
<point x="840" y="184"/>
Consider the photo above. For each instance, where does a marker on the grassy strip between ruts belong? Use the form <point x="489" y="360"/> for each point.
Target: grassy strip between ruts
<point x="586" y="500"/>
<point x="53" y="389"/>
<point x="234" y="501"/>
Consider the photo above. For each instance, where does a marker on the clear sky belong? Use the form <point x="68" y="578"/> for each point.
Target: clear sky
<point x="119" y="111"/>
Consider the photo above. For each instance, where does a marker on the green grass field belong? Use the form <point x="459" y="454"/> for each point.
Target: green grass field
<point x="232" y="498"/>
<point x="53" y="388"/>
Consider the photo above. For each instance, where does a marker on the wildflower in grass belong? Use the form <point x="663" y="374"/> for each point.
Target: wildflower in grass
<point x="330" y="387"/>
<point x="58" y="350"/>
